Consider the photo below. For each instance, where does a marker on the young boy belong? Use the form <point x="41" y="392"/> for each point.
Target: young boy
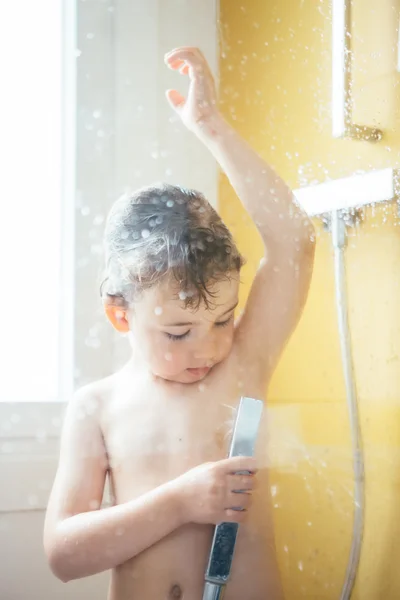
<point x="160" y="427"/>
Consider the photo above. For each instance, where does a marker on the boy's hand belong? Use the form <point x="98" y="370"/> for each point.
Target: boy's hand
<point x="200" y="104"/>
<point x="218" y="492"/>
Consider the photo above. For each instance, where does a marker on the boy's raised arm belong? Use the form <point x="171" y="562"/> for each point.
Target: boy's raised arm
<point x="281" y="285"/>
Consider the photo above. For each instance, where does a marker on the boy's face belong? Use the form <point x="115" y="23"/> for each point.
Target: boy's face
<point x="182" y="344"/>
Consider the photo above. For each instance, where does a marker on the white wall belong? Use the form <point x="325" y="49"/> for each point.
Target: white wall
<point x="126" y="137"/>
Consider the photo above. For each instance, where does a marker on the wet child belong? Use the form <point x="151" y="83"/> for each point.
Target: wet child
<point x="160" y="427"/>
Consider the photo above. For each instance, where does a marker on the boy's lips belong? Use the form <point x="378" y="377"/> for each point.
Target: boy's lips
<point x="199" y="372"/>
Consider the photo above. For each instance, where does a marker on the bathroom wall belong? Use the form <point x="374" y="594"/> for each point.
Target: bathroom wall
<point x="275" y="70"/>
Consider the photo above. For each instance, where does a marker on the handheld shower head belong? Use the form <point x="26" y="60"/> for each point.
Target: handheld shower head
<point x="224" y="540"/>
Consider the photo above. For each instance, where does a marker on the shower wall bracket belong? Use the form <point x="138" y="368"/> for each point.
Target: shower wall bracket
<point x="351" y="218"/>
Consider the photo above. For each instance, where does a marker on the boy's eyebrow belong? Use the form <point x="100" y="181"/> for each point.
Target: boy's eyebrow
<point x="231" y="308"/>
<point x="183" y="323"/>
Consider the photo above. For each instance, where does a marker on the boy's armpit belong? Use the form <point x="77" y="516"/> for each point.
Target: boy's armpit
<point x="274" y="307"/>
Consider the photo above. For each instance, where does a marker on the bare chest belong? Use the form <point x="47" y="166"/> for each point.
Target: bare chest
<point x="153" y="435"/>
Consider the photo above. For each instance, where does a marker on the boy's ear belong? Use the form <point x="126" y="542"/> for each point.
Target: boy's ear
<point x="117" y="317"/>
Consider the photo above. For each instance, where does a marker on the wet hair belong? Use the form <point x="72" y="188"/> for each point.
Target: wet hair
<point x="164" y="231"/>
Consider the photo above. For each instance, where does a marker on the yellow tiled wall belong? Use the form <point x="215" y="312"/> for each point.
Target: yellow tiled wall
<point x="275" y="87"/>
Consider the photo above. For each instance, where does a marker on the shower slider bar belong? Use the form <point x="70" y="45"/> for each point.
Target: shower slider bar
<point x="335" y="198"/>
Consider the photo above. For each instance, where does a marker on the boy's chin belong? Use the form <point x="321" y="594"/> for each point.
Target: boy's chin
<point x="189" y="376"/>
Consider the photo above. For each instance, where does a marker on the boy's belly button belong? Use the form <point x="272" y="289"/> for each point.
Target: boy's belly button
<point x="175" y="592"/>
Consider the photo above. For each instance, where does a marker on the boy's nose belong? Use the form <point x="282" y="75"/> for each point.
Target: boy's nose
<point x="206" y="351"/>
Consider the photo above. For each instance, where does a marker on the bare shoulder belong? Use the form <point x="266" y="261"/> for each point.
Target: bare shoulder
<point x="83" y="424"/>
<point x="90" y="400"/>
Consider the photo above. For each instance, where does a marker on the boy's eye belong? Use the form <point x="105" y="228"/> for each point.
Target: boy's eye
<point x="171" y="336"/>
<point x="224" y="323"/>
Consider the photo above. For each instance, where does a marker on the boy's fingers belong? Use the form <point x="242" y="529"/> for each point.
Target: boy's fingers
<point x="183" y="50"/>
<point x="184" y="70"/>
<point x="181" y="66"/>
<point x="196" y="65"/>
<point x="175" y="64"/>
<point x="241" y="483"/>
<point x="240" y="463"/>
<point x="175" y="99"/>
<point x="190" y="55"/>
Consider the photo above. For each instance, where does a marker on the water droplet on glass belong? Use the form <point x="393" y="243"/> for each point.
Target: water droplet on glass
<point x="145" y="233"/>
<point x="262" y="262"/>
<point x="168" y="356"/>
<point x="96" y="114"/>
<point x="158" y="310"/>
<point x="92" y="342"/>
<point x="98" y="220"/>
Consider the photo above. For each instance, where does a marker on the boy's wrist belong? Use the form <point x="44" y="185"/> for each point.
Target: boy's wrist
<point x="179" y="499"/>
<point x="211" y="127"/>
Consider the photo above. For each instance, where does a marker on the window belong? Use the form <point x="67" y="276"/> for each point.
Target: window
<point x="33" y="226"/>
<point x="83" y="120"/>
